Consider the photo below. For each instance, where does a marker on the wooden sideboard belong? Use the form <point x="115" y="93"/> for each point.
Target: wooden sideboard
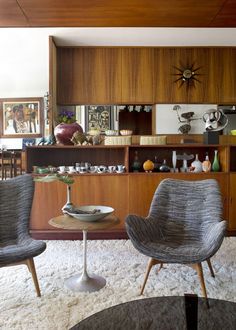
<point x="128" y="192"/>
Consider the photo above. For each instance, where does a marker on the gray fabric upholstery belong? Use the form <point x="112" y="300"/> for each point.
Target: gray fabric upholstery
<point x="184" y="224"/>
<point x="16" y="245"/>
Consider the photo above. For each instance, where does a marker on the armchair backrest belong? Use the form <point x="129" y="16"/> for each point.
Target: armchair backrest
<point x="16" y="197"/>
<point x="187" y="205"/>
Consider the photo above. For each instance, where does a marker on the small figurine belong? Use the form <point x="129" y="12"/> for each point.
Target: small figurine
<point x="50" y="140"/>
<point x="79" y="138"/>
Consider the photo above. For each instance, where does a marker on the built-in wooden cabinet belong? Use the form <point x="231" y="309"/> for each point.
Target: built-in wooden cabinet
<point x="49" y="198"/>
<point x="88" y="75"/>
<point x="128" y="192"/>
<point x="145" y="75"/>
<point x="232" y="202"/>
<point x="137" y="75"/>
<point x="214" y="70"/>
<point x="143" y="186"/>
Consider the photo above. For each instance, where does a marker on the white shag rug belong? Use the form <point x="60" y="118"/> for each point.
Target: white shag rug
<point x="121" y="265"/>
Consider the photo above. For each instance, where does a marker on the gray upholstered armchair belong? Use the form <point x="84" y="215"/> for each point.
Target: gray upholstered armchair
<point x="184" y="225"/>
<point x="16" y="245"/>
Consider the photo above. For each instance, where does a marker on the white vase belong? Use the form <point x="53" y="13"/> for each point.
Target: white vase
<point x="174" y="160"/>
<point x="68" y="204"/>
<point x="197" y="165"/>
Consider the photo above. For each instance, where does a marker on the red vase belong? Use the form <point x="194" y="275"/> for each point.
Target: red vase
<point x="63" y="132"/>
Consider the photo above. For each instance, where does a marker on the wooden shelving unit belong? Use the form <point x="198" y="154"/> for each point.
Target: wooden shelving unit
<point x="128" y="192"/>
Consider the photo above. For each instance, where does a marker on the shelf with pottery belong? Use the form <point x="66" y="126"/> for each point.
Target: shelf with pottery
<point x="189" y="152"/>
<point x="129" y="192"/>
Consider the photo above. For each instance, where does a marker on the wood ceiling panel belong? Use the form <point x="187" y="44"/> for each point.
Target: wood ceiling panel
<point x="118" y="13"/>
<point x="11" y="14"/>
<point x="226" y="16"/>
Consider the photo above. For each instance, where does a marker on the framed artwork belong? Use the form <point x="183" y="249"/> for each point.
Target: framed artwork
<point x="99" y="117"/>
<point x="22" y="117"/>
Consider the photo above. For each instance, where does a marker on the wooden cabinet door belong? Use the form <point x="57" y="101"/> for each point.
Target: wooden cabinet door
<point x="137" y="75"/>
<point x="214" y="70"/>
<point x="227" y="76"/>
<point x="142" y="188"/>
<point x="169" y="63"/>
<point x="232" y="202"/>
<point x="89" y="75"/>
<point x="108" y="190"/>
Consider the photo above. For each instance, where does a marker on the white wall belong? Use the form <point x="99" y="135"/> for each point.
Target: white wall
<point x="167" y="121"/>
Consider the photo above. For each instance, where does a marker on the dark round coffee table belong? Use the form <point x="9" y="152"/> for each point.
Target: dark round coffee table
<point x="164" y="313"/>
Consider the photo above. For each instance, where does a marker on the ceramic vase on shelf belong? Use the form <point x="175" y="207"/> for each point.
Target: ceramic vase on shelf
<point x="196" y="165"/>
<point x="174" y="160"/>
<point x="136" y="165"/>
<point x="148" y="166"/>
<point x="216" y="164"/>
<point x="206" y="165"/>
<point x="164" y="167"/>
<point x="68" y="206"/>
<point x="156" y="165"/>
<point x="64" y="132"/>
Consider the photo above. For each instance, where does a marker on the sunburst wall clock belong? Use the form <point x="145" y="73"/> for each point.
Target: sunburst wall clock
<point x="187" y="75"/>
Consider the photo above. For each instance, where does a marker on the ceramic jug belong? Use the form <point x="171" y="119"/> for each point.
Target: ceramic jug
<point x="196" y="165"/>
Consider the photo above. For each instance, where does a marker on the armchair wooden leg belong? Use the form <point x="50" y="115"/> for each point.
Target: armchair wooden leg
<point x="199" y="270"/>
<point x="31" y="267"/>
<point x="210" y="267"/>
<point x="151" y="263"/>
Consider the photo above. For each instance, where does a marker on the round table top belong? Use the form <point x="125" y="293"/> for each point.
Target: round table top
<point x="70" y="223"/>
<point x="163" y="313"/>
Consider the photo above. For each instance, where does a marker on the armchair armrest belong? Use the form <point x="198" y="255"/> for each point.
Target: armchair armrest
<point x="141" y="228"/>
<point x="214" y="233"/>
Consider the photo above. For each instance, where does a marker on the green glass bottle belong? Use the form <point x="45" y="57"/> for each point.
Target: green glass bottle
<point x="216" y="164"/>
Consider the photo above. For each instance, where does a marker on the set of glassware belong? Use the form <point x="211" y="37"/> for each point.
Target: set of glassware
<point x="88" y="168"/>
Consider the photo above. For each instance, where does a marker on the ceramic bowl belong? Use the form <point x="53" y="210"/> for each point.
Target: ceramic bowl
<point x="111" y="132"/>
<point x="126" y="132"/>
<point x="233" y="131"/>
<point x="104" y="211"/>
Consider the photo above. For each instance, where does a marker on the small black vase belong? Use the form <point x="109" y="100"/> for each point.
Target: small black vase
<point x="164" y="167"/>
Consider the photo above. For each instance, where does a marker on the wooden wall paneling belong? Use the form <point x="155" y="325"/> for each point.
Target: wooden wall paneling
<point x="65" y="75"/>
<point x="94" y="77"/>
<point x="137" y="75"/>
<point x="49" y="198"/>
<point x="227" y="80"/>
<point x="232" y="202"/>
<point x="224" y="158"/>
<point x="141" y="190"/>
<point x="203" y="89"/>
<point x="167" y="65"/>
<point x="216" y="75"/>
<point x="52" y="101"/>
<point x="165" y="89"/>
<point x="142" y="187"/>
